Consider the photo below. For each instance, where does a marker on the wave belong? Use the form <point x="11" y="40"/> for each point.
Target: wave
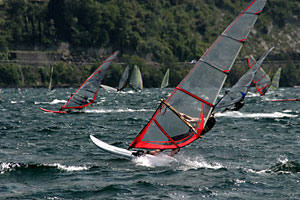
<point x="237" y="114"/>
<point x="116" y="110"/>
<point x="55" y="101"/>
<point x="161" y="160"/>
<point x="283" y="166"/>
<point x="10" y="167"/>
<point x="197" y="162"/>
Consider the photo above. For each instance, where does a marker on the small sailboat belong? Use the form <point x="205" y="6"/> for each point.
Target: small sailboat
<point x="122" y="83"/>
<point x="124" y="79"/>
<point x="238" y="92"/>
<point x="87" y="92"/>
<point x="165" y="81"/>
<point x="50" y="87"/>
<point x="136" y="81"/>
<point x="196" y="94"/>
<point x="276" y="79"/>
<point x="261" y="79"/>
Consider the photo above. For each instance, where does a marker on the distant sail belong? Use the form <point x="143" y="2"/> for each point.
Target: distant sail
<point x="276" y="79"/>
<point x="87" y="92"/>
<point x="261" y="79"/>
<point x="136" y="81"/>
<point x="165" y="81"/>
<point x="124" y="79"/>
<point x="196" y="95"/>
<point x="240" y="89"/>
<point x="50" y="82"/>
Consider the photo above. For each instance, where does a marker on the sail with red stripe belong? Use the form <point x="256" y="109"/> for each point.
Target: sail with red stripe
<point x="198" y="91"/>
<point x="87" y="92"/>
<point x="261" y="79"/>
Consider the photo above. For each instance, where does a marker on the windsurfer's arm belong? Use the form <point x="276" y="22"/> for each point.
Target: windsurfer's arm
<point x="189" y="118"/>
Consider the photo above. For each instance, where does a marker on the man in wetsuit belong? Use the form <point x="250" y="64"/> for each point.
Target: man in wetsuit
<point x="237" y="106"/>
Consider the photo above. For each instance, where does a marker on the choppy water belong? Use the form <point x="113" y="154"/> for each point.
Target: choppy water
<point x="251" y="154"/>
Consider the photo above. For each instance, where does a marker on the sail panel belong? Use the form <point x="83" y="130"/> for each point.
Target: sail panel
<point x="256" y="6"/>
<point x="87" y="92"/>
<point x="242" y="27"/>
<point x="225" y="50"/>
<point x="204" y="82"/>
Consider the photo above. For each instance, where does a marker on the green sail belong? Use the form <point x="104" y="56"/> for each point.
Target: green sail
<point x="276" y="79"/>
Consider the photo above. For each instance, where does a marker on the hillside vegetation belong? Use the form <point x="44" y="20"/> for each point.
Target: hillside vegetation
<point x="156" y="35"/>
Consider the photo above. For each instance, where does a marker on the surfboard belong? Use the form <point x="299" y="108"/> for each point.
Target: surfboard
<point x="285" y="100"/>
<point x="54" y="111"/>
<point x="112" y="149"/>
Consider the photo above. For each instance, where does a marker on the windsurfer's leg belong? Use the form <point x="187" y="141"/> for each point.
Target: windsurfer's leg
<point x="154" y="152"/>
<point x="174" y="151"/>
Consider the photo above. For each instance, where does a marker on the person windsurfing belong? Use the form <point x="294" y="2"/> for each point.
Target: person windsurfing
<point x="237" y="106"/>
<point x="193" y="120"/>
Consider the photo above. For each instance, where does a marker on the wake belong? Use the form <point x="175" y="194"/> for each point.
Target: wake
<point x="237" y="114"/>
<point x="180" y="162"/>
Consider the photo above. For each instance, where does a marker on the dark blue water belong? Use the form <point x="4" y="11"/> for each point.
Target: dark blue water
<point x="251" y="154"/>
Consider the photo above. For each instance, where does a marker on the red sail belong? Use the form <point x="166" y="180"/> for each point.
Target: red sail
<point x="198" y="91"/>
<point x="87" y="92"/>
<point x="261" y="79"/>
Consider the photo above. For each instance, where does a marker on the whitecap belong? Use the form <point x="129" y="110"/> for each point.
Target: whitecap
<point x="55" y="101"/>
<point x="187" y="163"/>
<point x="7" y="167"/>
<point x="154" y="161"/>
<point x="237" y="114"/>
<point x="69" y="168"/>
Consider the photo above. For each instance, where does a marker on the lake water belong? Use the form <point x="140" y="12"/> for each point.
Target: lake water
<point x="251" y="154"/>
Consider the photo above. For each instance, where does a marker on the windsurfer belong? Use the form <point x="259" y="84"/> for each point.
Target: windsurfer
<point x="237" y="106"/>
<point x="209" y="125"/>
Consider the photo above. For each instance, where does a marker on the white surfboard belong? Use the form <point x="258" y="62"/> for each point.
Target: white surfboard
<point x="112" y="149"/>
<point x="108" y="88"/>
